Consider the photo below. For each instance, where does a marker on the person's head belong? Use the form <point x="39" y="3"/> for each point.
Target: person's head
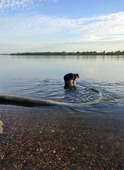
<point x="77" y="76"/>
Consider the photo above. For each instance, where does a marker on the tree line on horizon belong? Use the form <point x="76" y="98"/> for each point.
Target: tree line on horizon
<point x="71" y="53"/>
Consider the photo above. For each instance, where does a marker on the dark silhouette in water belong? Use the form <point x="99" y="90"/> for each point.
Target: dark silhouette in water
<point x="70" y="79"/>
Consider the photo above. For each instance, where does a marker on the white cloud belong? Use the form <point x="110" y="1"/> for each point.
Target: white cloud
<point x="102" y="28"/>
<point x="108" y="27"/>
<point x="95" y="31"/>
<point x="14" y="4"/>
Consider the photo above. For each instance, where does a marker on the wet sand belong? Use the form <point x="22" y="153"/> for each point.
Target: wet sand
<point x="60" y="138"/>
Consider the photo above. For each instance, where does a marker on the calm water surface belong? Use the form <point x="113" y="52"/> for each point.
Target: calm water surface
<point x="42" y="77"/>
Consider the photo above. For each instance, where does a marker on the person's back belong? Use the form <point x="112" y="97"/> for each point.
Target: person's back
<point x="69" y="76"/>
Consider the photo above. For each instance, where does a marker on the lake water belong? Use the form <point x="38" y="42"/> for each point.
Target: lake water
<point x="42" y="77"/>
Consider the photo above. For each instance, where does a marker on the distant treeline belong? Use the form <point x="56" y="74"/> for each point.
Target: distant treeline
<point x="71" y="53"/>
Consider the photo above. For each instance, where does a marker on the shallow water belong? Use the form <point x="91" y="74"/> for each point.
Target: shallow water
<point x="58" y="137"/>
<point x="42" y="77"/>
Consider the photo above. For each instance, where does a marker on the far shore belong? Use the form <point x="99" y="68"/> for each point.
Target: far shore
<point x="68" y="53"/>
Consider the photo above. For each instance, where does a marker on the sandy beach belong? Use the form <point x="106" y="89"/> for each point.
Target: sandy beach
<point x="60" y="138"/>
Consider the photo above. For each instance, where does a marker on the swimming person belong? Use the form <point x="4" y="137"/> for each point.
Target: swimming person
<point x="70" y="79"/>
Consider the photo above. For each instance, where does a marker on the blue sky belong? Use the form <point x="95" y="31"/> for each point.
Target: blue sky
<point x="61" y="25"/>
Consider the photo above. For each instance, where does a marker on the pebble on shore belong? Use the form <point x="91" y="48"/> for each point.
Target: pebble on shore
<point x="59" y="139"/>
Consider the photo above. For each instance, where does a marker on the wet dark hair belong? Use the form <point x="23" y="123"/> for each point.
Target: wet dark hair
<point x="77" y="75"/>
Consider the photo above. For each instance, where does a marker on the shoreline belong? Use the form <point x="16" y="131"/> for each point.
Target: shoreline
<point x="64" y="53"/>
<point x="72" y="53"/>
<point x="57" y="137"/>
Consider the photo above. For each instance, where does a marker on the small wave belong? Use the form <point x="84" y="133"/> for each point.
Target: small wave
<point x="77" y="96"/>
